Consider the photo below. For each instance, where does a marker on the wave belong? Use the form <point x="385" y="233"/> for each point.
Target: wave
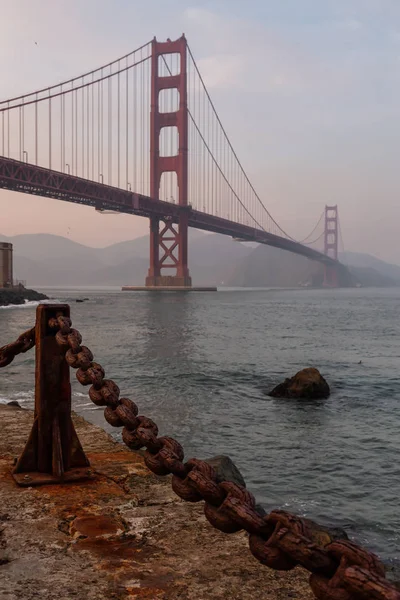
<point x="21" y="397"/>
<point x="29" y="304"/>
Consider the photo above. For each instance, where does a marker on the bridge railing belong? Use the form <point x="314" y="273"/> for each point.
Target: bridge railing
<point x="340" y="569"/>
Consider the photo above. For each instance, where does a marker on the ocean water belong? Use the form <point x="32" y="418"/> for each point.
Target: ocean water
<point x="200" y="364"/>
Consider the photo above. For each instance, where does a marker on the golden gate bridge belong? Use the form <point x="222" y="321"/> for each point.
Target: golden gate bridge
<point x="141" y="135"/>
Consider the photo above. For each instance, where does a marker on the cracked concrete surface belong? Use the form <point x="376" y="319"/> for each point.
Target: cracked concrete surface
<point x="122" y="534"/>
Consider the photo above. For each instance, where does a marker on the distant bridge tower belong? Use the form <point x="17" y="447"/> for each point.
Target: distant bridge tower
<point x="169" y="242"/>
<point x="331" y="237"/>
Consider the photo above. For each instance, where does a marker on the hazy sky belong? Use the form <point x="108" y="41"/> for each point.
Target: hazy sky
<point x="308" y="90"/>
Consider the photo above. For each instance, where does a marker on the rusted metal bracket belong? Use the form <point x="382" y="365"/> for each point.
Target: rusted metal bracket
<point x="53" y="453"/>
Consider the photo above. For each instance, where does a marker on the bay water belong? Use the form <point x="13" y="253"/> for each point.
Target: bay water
<point x="200" y="364"/>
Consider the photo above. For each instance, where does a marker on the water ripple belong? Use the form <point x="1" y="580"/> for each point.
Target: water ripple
<point x="200" y="364"/>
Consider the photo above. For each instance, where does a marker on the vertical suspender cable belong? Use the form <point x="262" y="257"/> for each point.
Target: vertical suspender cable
<point x="101" y="127"/>
<point x="83" y="130"/>
<point x="36" y="130"/>
<point x="49" y="133"/>
<point x="109" y="103"/>
<point x="127" y="125"/>
<point x="76" y="132"/>
<point x="73" y="112"/>
<point x="146" y="153"/>
<point x="23" y="129"/>
<point x="98" y="131"/>
<point x="8" y="130"/>
<point x="87" y="132"/>
<point x="142" y="121"/>
<point x="20" y="133"/>
<point x="92" y="89"/>
<point x="61" y="130"/>
<point x="135" y="132"/>
<point x="119" y="125"/>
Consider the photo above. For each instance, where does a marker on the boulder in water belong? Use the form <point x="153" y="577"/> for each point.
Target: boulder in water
<point x="226" y="470"/>
<point x="322" y="536"/>
<point x="307" y="383"/>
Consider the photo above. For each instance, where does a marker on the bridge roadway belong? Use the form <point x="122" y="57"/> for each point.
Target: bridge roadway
<point x="38" y="181"/>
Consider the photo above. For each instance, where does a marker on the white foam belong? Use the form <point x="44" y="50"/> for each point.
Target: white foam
<point x="80" y="395"/>
<point x="24" y="395"/>
<point x="21" y="397"/>
<point x="29" y="304"/>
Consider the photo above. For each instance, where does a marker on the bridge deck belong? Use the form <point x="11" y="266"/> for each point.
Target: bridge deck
<point x="30" y="179"/>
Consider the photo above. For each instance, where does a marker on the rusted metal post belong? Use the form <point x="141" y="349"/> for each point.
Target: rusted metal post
<point x="53" y="453"/>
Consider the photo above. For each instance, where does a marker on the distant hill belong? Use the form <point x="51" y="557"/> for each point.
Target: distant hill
<point x="50" y="260"/>
<point x="273" y="267"/>
<point x="368" y="262"/>
<point x="370" y="277"/>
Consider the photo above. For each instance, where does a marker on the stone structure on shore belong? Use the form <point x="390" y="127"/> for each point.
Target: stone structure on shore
<point x="12" y="292"/>
<point x="6" y="265"/>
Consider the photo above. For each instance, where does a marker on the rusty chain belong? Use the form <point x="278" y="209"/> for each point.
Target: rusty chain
<point x="22" y="344"/>
<point x="340" y="570"/>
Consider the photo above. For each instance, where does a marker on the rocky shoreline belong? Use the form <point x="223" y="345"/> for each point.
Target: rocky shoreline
<point x="19" y="295"/>
<point x="121" y="534"/>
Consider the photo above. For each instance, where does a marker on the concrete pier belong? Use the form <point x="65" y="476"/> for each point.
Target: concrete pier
<point x="166" y="288"/>
<point x="122" y="534"/>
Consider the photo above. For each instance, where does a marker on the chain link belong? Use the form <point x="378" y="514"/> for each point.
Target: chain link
<point x="22" y="344"/>
<point x="341" y="570"/>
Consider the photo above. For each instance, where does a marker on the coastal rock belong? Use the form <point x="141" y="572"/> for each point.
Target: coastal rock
<point x="226" y="470"/>
<point x="260" y="510"/>
<point x="14" y="403"/>
<point x="322" y="536"/>
<point x="19" y="295"/>
<point x="307" y="383"/>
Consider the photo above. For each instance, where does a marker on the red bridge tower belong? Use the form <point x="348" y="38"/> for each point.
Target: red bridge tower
<point x="169" y="241"/>
<point x="331" y="235"/>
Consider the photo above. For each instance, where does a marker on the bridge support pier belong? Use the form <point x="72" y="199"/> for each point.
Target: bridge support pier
<point x="331" y="279"/>
<point x="169" y="240"/>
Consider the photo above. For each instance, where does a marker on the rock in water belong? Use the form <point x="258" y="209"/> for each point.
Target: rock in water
<point x="14" y="403"/>
<point x="226" y="470"/>
<point x="322" y="536"/>
<point x="307" y="383"/>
